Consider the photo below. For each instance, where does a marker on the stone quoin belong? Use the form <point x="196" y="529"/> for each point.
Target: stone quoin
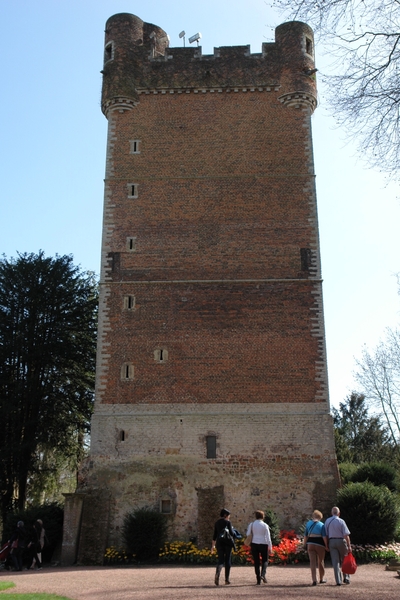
<point x="211" y="381"/>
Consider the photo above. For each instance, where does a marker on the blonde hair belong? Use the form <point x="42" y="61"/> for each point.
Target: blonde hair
<point x="317" y="515"/>
<point x="259" y="514"/>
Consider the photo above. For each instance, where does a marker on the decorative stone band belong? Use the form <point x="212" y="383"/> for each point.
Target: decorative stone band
<point x="299" y="100"/>
<point x="120" y="104"/>
<point x="204" y="90"/>
<point x="292" y="99"/>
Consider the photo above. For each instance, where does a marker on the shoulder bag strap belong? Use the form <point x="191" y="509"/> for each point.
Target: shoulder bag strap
<point x="313" y="525"/>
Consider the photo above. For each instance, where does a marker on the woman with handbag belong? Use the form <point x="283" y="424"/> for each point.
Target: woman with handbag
<point x="316" y="543"/>
<point x="224" y="541"/>
<point x="259" y="544"/>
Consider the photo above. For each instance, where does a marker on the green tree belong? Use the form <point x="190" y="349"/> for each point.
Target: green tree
<point x="48" y="314"/>
<point x="360" y="437"/>
<point x="363" y="38"/>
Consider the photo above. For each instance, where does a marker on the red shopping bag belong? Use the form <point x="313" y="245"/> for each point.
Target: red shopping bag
<point x="349" y="565"/>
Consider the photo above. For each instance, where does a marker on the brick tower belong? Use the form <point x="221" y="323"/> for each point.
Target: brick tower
<point x="211" y="375"/>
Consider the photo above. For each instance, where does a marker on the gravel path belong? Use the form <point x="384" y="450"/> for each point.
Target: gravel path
<point x="195" y="583"/>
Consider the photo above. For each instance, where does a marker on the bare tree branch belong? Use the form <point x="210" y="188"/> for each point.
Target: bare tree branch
<point x="363" y="38"/>
<point x="379" y="376"/>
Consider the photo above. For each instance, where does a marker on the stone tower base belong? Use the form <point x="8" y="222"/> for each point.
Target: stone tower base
<point x="268" y="457"/>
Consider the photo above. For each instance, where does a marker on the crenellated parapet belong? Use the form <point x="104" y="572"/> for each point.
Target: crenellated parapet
<point x="138" y="60"/>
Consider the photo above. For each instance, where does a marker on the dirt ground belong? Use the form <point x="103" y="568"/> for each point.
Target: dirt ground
<point x="195" y="583"/>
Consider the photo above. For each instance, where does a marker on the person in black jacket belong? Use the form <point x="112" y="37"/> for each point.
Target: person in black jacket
<point x="223" y="541"/>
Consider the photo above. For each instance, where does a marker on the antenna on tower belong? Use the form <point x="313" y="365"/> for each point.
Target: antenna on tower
<point x="182" y="35"/>
<point x="195" y="38"/>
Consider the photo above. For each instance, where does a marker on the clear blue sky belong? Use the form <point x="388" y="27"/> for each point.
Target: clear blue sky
<point x="53" y="138"/>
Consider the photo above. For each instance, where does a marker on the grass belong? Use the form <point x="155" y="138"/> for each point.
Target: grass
<point x="32" y="597"/>
<point x="5" y="585"/>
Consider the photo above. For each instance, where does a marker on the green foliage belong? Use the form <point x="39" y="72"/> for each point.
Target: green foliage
<point x="272" y="521"/>
<point x="52" y="516"/>
<point x="144" y="532"/>
<point x="48" y="319"/>
<point x="343" y="452"/>
<point x="360" y="438"/>
<point x="347" y="470"/>
<point x="378" y="474"/>
<point x="371" y="512"/>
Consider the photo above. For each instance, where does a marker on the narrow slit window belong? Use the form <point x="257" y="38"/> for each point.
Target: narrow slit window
<point x="211" y="446"/>
<point x="135" y="146"/>
<point x="131" y="244"/>
<point x="161" y="355"/>
<point x="309" y="46"/>
<point x="129" y="302"/>
<point x="108" y="52"/>
<point x="122" y="435"/>
<point x="127" y="371"/>
<point x="133" y="190"/>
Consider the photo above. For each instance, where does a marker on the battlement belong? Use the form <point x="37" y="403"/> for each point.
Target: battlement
<point x="138" y="59"/>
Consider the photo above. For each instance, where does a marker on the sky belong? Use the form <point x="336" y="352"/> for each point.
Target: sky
<point x="53" y="144"/>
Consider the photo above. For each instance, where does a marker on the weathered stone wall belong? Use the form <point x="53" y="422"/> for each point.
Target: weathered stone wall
<point x="207" y="501"/>
<point x="277" y="456"/>
<point x="71" y="528"/>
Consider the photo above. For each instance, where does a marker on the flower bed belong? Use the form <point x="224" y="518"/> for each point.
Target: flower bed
<point x="379" y="553"/>
<point x="288" y="551"/>
<point x="112" y="556"/>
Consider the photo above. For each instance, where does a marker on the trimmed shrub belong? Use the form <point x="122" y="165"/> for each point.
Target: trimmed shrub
<point x="378" y="474"/>
<point x="371" y="512"/>
<point x="144" y="532"/>
<point x="271" y="520"/>
<point x="347" y="471"/>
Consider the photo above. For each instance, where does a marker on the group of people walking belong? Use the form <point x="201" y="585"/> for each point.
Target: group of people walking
<point x="27" y="545"/>
<point x="331" y="536"/>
